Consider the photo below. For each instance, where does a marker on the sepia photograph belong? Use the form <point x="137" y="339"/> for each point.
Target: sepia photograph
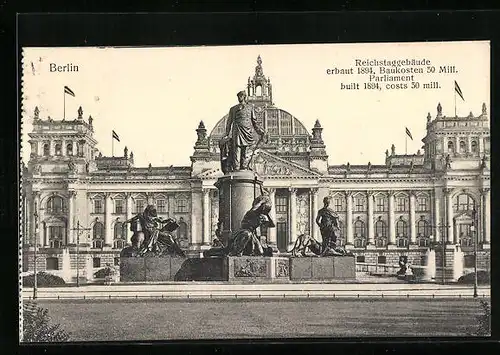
<point x="255" y="192"/>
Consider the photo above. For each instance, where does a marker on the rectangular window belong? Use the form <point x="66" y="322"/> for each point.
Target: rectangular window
<point x="422" y="204"/>
<point x="339" y="204"/>
<point x="161" y="206"/>
<point x="52" y="263"/>
<point x="181" y="205"/>
<point x="381" y="259"/>
<point x="281" y="204"/>
<point x="381" y="204"/>
<point x="119" y="206"/>
<point x="360" y="259"/>
<point x="360" y="204"/>
<point x="139" y="206"/>
<point x="56" y="232"/>
<point x="401" y="204"/>
<point x="96" y="262"/>
<point x="286" y="125"/>
<point x="272" y="122"/>
<point x="117" y="261"/>
<point x="98" y="206"/>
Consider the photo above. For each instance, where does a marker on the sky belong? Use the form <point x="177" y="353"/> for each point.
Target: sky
<point x="155" y="97"/>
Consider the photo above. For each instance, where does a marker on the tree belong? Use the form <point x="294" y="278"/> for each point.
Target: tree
<point x="37" y="327"/>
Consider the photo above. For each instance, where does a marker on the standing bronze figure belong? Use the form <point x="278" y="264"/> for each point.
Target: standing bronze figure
<point x="239" y="136"/>
<point x="327" y="221"/>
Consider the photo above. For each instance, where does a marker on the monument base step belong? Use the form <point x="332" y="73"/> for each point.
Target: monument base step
<point x="322" y="268"/>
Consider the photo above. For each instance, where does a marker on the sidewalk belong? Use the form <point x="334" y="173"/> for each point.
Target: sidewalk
<point x="224" y="290"/>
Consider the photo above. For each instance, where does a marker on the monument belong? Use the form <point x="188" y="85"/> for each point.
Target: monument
<point x="238" y="255"/>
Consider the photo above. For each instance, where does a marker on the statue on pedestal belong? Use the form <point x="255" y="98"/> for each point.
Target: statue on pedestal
<point x="245" y="241"/>
<point x="328" y="222"/>
<point x="154" y="234"/>
<point x="235" y="145"/>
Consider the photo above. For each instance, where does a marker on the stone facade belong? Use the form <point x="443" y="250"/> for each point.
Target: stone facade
<point x="72" y="194"/>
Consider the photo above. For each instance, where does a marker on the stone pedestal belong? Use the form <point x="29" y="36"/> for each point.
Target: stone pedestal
<point x="136" y="269"/>
<point x="258" y="269"/>
<point x="237" y="190"/>
<point x="322" y="268"/>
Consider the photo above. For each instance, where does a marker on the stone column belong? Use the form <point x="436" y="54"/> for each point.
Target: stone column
<point x="469" y="145"/>
<point x="392" y="225"/>
<point x="129" y="216"/>
<point x="271" y="232"/>
<point x="413" y="231"/>
<point x="314" y="210"/>
<point x="457" y="144"/>
<point x="52" y="150"/>
<point x="206" y="217"/>
<point x="449" y="216"/>
<point x="293" y="216"/>
<point x="371" y="231"/>
<point x="108" y="233"/>
<point x="485" y="194"/>
<point x="71" y="214"/>
<point x="348" y="220"/>
<point x="437" y="218"/>
<point x="149" y="198"/>
<point x="481" y="144"/>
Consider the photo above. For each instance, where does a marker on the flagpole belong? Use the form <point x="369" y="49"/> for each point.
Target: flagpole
<point x="455" y="101"/>
<point x="64" y="104"/>
<point x="112" y="145"/>
<point x="406" y="144"/>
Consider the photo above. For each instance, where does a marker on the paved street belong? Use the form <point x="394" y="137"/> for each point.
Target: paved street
<point x="99" y="320"/>
<point x="220" y="290"/>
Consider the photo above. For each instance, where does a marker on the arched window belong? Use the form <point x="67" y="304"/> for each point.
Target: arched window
<point x="98" y="231"/>
<point x="55" y="205"/>
<point x="423" y="233"/>
<point x="69" y="148"/>
<point x="451" y="147"/>
<point x="473" y="147"/>
<point x="258" y="91"/>
<point x="58" y="149"/>
<point x="359" y="228"/>
<point x="402" y="233"/>
<point x="46" y="149"/>
<point x="118" y="230"/>
<point x="380" y="233"/>
<point x="464" y="202"/>
<point x="462" y="147"/>
<point x="359" y="234"/>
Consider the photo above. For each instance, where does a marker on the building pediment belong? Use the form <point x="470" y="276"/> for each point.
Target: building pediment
<point x="267" y="164"/>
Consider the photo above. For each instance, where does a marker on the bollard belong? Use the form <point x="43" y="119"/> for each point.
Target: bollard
<point x="334" y="295"/>
<point x="210" y="295"/>
<point x="432" y="295"/>
<point x="188" y="295"/>
<point x="135" y="296"/>
<point x="235" y="295"/>
<point x="162" y="296"/>
<point x="283" y="295"/>
<point x="407" y="295"/>
<point x="358" y="295"/>
<point x="57" y="296"/>
<point x="259" y="295"/>
<point x="382" y="295"/>
<point x="307" y="295"/>
<point x="83" y="296"/>
<point x="109" y="296"/>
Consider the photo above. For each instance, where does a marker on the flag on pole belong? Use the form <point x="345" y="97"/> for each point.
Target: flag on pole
<point x="115" y="136"/>
<point x="408" y="133"/>
<point x="68" y="91"/>
<point x="459" y="91"/>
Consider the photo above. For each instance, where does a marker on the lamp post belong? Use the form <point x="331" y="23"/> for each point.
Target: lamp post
<point x="79" y="231"/>
<point x="35" y="253"/>
<point x="474" y="235"/>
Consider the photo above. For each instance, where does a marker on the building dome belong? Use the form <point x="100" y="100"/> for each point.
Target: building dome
<point x="286" y="133"/>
